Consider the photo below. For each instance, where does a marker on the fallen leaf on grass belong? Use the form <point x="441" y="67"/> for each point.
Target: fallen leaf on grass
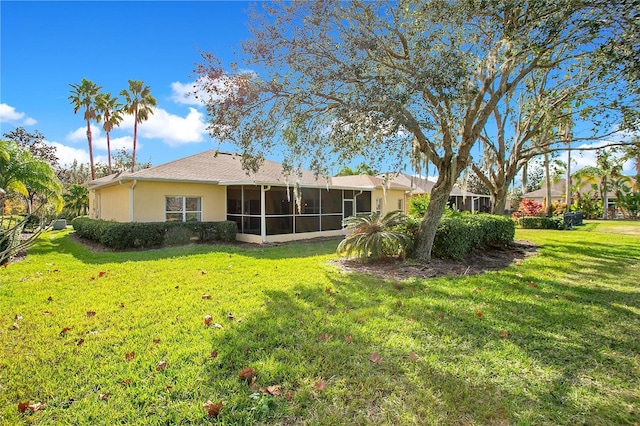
<point x="103" y="396"/>
<point x="440" y="315"/>
<point x="271" y="390"/>
<point x="125" y="382"/>
<point x="122" y="305"/>
<point x="245" y="350"/>
<point x="479" y="314"/>
<point x="101" y="274"/>
<point x="16" y="326"/>
<point x="156" y="341"/>
<point x="323" y="337"/>
<point x="81" y="341"/>
<point x="129" y="356"/>
<point x="247" y="374"/>
<point x="413" y="357"/>
<point x="208" y="319"/>
<point x="213" y="408"/>
<point x="206" y="297"/>
<point x="46" y="313"/>
<point x="213" y="355"/>
<point x="18" y="317"/>
<point x="532" y="284"/>
<point x="162" y="365"/>
<point x="230" y="317"/>
<point x="23" y="406"/>
<point x="64" y="331"/>
<point x="320" y="385"/>
<point x="288" y="396"/>
<point x="504" y="335"/>
<point x="375" y="358"/>
<point x="91" y="314"/>
<point x="348" y="339"/>
<point x="330" y="292"/>
<point x="216" y="325"/>
<point x="50" y="298"/>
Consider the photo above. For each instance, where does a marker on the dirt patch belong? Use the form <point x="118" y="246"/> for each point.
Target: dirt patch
<point x="471" y="264"/>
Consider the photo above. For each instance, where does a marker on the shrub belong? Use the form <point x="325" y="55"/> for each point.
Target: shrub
<point x="119" y="235"/>
<point x="418" y="204"/>
<point x="527" y="222"/>
<point x="458" y="235"/>
<point x="528" y="207"/>
<point x="374" y="236"/>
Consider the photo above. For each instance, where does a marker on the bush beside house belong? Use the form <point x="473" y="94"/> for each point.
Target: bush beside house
<point x="119" y="235"/>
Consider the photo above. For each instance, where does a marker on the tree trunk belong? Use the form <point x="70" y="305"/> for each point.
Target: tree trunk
<point x="135" y="137"/>
<point x="525" y="172"/>
<point x="429" y="224"/>
<point x="605" y="198"/>
<point x="93" y="168"/>
<point x="499" y="201"/>
<point x="547" y="172"/>
<point x="107" y="117"/>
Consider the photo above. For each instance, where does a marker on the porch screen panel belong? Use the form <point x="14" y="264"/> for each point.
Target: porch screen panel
<point x="363" y="202"/>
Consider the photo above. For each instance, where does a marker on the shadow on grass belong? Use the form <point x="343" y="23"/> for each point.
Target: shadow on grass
<point x="292" y="250"/>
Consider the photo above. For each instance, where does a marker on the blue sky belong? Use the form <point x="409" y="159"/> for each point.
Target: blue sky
<point x="47" y="45"/>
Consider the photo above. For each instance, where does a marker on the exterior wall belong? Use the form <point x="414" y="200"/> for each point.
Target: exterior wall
<point x="113" y="202"/>
<point x="257" y="239"/>
<point x="110" y="203"/>
<point x="389" y="200"/>
<point x="149" y="199"/>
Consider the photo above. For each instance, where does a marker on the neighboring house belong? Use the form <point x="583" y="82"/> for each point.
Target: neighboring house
<point x="458" y="199"/>
<point x="268" y="205"/>
<point x="558" y="192"/>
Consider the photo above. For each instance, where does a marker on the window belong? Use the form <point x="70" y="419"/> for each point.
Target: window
<point x="378" y="205"/>
<point x="400" y="204"/>
<point x="183" y="209"/>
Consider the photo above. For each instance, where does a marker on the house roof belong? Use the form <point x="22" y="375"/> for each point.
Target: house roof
<point x="216" y="168"/>
<point x="421" y="185"/>
<point x="366" y="182"/>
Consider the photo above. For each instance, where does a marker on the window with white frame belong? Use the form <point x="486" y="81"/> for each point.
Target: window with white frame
<point x="183" y="209"/>
<point x="400" y="204"/>
<point x="378" y="205"/>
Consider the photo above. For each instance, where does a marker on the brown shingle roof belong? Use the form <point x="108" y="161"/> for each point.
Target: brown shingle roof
<point x="366" y="181"/>
<point x="219" y="168"/>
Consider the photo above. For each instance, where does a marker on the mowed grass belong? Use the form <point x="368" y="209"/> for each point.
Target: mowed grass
<point x="551" y="340"/>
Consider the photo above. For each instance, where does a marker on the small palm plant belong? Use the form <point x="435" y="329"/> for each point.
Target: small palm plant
<point x="374" y="236"/>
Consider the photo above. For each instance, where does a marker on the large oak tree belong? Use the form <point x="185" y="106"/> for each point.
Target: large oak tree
<point x="332" y="81"/>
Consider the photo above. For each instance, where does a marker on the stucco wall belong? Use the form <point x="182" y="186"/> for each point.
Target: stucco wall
<point x="389" y="200"/>
<point x="113" y="203"/>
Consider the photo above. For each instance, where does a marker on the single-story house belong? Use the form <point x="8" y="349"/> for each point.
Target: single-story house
<point x="459" y="198"/>
<point x="268" y="205"/>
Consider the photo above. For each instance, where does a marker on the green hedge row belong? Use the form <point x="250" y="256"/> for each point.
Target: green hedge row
<point x="119" y="235"/>
<point x="459" y="235"/>
<point x="535" y="222"/>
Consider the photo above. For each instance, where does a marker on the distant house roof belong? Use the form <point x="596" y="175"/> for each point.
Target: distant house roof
<point x="216" y="168"/>
<point x="421" y="185"/>
<point x="366" y="182"/>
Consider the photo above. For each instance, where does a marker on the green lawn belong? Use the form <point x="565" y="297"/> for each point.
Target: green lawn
<point x="551" y="340"/>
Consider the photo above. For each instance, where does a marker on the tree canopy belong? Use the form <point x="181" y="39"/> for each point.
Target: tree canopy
<point x="333" y="81"/>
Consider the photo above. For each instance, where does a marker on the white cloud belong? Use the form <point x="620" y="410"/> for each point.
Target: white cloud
<point x="183" y="93"/>
<point x="170" y="128"/>
<point x="66" y="154"/>
<point x="99" y="139"/>
<point x="8" y="114"/>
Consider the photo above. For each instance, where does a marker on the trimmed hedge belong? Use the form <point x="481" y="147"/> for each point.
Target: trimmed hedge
<point x="119" y="235"/>
<point x="535" y="222"/>
<point x="459" y="235"/>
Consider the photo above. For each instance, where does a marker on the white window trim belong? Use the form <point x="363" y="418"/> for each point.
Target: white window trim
<point x="184" y="210"/>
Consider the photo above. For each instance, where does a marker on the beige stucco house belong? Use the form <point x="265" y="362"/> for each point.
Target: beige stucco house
<point x="268" y="205"/>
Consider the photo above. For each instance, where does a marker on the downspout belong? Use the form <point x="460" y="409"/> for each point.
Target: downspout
<point x="133" y="186"/>
<point x="355" y="210"/>
<point x="263" y="208"/>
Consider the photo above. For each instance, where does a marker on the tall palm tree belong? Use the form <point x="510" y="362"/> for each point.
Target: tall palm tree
<point x="139" y="103"/>
<point x="109" y="112"/>
<point x="84" y="95"/>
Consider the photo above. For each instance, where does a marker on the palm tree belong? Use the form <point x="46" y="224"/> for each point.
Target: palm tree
<point x="108" y="112"/>
<point x="22" y="173"/>
<point x="139" y="103"/>
<point x="84" y="95"/>
<point x="77" y="199"/>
